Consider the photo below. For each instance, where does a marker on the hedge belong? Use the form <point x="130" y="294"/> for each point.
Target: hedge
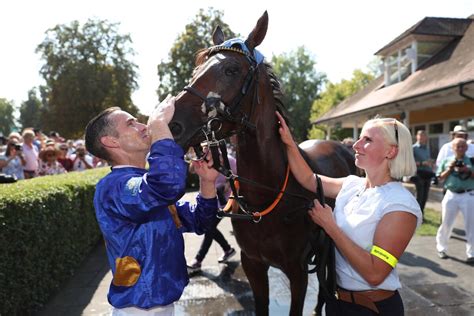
<point x="47" y="228"/>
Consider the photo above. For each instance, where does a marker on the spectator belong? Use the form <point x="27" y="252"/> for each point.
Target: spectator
<point x="424" y="168"/>
<point x="49" y="164"/>
<point x="63" y="159"/>
<point x="145" y="246"/>
<point x="30" y="153"/>
<point x="446" y="150"/>
<point x="458" y="175"/>
<point x="13" y="161"/>
<point x="56" y="137"/>
<point x="81" y="160"/>
<point x="16" y="137"/>
<point x="71" y="148"/>
<point x="223" y="193"/>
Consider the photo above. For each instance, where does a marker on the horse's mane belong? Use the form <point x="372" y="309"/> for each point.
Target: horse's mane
<point x="203" y="54"/>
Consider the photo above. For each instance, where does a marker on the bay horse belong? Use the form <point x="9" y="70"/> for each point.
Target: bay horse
<point x="233" y="91"/>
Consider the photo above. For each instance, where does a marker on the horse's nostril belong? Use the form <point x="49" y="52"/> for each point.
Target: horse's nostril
<point x="176" y="129"/>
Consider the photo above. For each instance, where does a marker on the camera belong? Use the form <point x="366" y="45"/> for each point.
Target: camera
<point x="459" y="163"/>
<point x="17" y="146"/>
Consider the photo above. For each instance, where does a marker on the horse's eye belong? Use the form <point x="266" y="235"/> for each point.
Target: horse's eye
<point x="231" y="71"/>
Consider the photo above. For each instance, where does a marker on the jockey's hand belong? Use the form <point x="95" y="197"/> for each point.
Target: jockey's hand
<point x="160" y="118"/>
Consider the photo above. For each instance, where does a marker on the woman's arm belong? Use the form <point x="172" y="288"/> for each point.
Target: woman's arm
<point x="393" y="233"/>
<point x="300" y="168"/>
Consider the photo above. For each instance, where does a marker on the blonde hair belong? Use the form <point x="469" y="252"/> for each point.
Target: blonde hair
<point x="404" y="162"/>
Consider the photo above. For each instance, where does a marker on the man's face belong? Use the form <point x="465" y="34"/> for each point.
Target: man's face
<point x="459" y="147"/>
<point x="421" y="138"/>
<point x="28" y="139"/>
<point x="132" y="135"/>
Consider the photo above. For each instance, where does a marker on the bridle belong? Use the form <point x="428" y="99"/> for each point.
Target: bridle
<point x="216" y="109"/>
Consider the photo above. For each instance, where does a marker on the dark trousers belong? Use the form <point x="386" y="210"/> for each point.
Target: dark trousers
<point x="422" y="189"/>
<point x="392" y="306"/>
<point x="213" y="233"/>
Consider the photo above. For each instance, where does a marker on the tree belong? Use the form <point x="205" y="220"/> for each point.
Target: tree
<point x="175" y="73"/>
<point x="334" y="94"/>
<point x="86" y="70"/>
<point x="30" y="111"/>
<point x="302" y="85"/>
<point x="7" y="120"/>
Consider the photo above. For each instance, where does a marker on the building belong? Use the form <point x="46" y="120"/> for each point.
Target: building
<point x="427" y="82"/>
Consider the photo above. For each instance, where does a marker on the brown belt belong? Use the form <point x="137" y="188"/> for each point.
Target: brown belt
<point x="364" y="298"/>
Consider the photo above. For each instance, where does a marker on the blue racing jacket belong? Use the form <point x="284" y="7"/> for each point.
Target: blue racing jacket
<point x="145" y="249"/>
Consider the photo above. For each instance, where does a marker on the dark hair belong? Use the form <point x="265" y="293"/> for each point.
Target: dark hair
<point x="97" y="128"/>
<point x="10" y="144"/>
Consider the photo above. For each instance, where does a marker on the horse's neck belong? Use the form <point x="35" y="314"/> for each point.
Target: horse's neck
<point x="261" y="156"/>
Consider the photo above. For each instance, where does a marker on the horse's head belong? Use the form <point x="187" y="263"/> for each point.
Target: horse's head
<point x="223" y="89"/>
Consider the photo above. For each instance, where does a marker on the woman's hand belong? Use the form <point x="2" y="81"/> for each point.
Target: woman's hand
<point x="322" y="216"/>
<point x="284" y="131"/>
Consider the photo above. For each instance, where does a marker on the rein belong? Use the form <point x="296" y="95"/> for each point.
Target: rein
<point x="218" y="149"/>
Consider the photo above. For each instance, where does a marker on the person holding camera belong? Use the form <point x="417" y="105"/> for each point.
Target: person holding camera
<point x="13" y="161"/>
<point x="81" y="160"/>
<point x="457" y="174"/>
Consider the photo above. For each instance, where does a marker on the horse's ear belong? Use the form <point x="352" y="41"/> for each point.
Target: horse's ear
<point x="258" y="33"/>
<point x="218" y="36"/>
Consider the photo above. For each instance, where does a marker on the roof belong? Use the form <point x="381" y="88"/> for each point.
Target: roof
<point x="451" y="67"/>
<point x="450" y="27"/>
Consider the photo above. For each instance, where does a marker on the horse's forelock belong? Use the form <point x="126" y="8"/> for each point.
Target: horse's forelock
<point x="201" y="56"/>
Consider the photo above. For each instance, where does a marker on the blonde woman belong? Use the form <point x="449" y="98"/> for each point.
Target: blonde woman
<point x="373" y="220"/>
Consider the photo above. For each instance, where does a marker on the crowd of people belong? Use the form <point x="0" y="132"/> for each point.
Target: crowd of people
<point x="33" y="154"/>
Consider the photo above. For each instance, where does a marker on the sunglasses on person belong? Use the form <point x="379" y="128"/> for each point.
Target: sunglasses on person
<point x="395" y="126"/>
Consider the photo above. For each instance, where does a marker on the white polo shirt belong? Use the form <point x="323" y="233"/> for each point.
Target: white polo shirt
<point x="358" y="212"/>
<point x="31" y="157"/>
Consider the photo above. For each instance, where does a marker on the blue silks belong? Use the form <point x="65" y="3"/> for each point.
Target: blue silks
<point x="144" y="248"/>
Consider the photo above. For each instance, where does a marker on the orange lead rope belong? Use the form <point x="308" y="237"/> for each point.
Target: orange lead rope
<point x="232" y="203"/>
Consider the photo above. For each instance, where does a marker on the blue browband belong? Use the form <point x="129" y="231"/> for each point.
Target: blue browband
<point x="230" y="45"/>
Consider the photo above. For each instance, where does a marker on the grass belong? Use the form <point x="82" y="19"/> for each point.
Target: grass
<point x="430" y="224"/>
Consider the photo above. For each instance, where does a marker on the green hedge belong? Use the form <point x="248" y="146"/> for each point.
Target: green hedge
<point x="47" y="228"/>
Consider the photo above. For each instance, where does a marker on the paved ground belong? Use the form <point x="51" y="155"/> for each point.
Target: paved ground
<point x="431" y="286"/>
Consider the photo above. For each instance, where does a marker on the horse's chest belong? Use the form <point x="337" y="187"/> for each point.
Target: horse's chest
<point x="268" y="240"/>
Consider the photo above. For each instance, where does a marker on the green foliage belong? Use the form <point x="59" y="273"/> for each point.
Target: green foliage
<point x="175" y="72"/>
<point x="334" y="94"/>
<point x="7" y="121"/>
<point x="47" y="227"/>
<point x="30" y="111"/>
<point x="302" y="85"/>
<point x="431" y="222"/>
<point x="86" y="71"/>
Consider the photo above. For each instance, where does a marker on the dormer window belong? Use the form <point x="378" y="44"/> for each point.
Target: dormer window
<point x="403" y="62"/>
<point x="400" y="64"/>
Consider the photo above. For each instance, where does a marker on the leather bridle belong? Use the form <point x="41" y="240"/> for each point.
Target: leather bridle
<point x="217" y="109"/>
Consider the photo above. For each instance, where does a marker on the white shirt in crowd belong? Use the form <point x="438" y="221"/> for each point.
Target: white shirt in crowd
<point x="31" y="157"/>
<point x="446" y="151"/>
<point x="79" y="165"/>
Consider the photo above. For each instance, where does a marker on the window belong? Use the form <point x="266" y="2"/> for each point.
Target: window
<point x="399" y="65"/>
<point x="435" y="128"/>
<point x="425" y="50"/>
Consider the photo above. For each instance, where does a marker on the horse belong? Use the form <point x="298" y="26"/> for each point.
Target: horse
<point x="234" y="92"/>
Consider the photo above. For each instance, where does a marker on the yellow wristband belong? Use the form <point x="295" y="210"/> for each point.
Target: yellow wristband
<point x="384" y="255"/>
